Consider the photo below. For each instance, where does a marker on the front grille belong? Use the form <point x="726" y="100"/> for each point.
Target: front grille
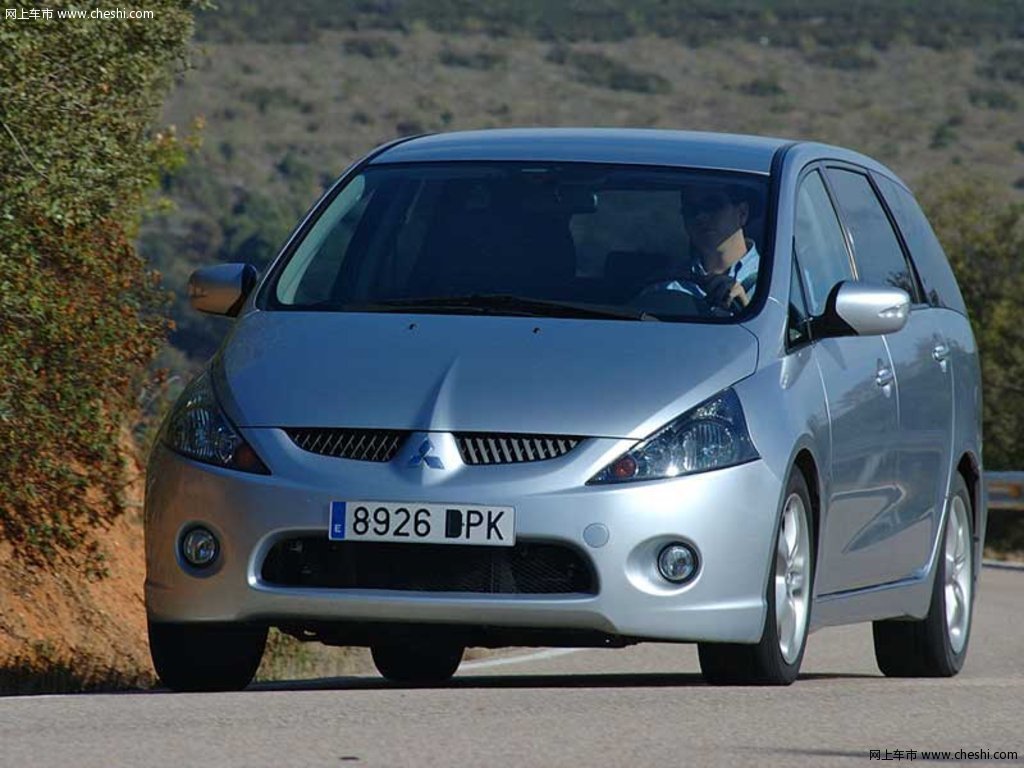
<point x="524" y="569"/>
<point x="481" y="448"/>
<point x="358" y="444"/>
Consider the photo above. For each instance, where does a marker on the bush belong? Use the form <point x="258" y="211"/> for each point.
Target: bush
<point x="371" y="47"/>
<point x="992" y="98"/>
<point x="944" y="135"/>
<point x="265" y="99"/>
<point x="594" y="68"/>
<point x="483" y="60"/>
<point x="1005" y="64"/>
<point x="79" y="308"/>
<point x="983" y="235"/>
<point x="763" y="86"/>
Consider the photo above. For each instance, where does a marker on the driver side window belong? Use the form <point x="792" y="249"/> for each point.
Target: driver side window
<point x="818" y="243"/>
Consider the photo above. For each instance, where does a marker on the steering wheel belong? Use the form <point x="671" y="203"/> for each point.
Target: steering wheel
<point x="687" y="299"/>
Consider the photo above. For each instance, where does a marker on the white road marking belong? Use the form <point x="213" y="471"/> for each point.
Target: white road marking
<point x="550" y="653"/>
<point x="1007" y="565"/>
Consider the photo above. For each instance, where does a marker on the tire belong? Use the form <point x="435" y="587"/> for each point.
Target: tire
<point x="201" y="657"/>
<point x="776" y="658"/>
<point x="936" y="645"/>
<point x="415" y="663"/>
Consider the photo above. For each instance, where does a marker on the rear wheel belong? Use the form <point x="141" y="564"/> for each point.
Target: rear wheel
<point x="418" y="663"/>
<point x="775" y="660"/>
<point x="936" y="645"/>
<point x="206" y="657"/>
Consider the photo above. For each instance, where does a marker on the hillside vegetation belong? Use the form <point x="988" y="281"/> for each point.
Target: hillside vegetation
<point x="939" y="24"/>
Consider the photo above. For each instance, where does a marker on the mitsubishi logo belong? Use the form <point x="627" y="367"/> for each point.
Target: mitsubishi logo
<point x="425" y="454"/>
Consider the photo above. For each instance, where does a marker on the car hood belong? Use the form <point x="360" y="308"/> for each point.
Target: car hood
<point x="597" y="378"/>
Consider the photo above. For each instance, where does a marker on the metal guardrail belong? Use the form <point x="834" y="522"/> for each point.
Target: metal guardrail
<point x="1005" y="490"/>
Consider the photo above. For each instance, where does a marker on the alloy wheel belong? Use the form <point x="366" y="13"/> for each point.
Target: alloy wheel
<point x="792" y="578"/>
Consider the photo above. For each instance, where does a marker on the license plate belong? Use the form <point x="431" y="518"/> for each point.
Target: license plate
<point x="422" y="523"/>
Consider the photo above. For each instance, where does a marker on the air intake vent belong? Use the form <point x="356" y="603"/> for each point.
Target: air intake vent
<point x="481" y="448"/>
<point x="524" y="569"/>
<point x="358" y="444"/>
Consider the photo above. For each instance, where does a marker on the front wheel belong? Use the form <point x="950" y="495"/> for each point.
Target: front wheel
<point x="776" y="659"/>
<point x="936" y="645"/>
<point x="206" y="657"/>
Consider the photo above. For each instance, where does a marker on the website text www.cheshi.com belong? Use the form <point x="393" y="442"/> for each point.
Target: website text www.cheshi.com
<point x="948" y="754"/>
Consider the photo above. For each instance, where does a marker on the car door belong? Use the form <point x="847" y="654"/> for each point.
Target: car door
<point x="943" y="308"/>
<point x="860" y="391"/>
<point x="924" y="385"/>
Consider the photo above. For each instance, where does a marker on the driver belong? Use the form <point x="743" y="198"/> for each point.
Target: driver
<point x="723" y="262"/>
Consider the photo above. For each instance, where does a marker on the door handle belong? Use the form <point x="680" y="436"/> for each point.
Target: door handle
<point x="884" y="377"/>
<point x="940" y="353"/>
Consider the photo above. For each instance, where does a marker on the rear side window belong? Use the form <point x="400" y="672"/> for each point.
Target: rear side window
<point x="876" y="249"/>
<point x="940" y="287"/>
<point x="818" y="239"/>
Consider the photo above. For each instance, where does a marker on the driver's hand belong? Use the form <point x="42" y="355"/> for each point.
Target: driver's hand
<point x="723" y="290"/>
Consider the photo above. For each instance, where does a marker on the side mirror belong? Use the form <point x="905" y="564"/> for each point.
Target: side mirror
<point x="861" y="309"/>
<point x="221" y="289"/>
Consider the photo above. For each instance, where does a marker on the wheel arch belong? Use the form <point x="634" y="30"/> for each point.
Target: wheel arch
<point x="808" y="465"/>
<point x="969" y="468"/>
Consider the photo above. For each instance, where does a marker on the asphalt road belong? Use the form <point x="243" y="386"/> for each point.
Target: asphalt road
<point x="644" y="705"/>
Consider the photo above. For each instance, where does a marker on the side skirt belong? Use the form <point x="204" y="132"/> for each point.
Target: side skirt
<point x="907" y="598"/>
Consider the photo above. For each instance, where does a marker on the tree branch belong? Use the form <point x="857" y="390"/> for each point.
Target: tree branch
<point x="21" y="149"/>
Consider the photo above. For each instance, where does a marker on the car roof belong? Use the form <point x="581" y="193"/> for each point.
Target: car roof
<point x="637" y="146"/>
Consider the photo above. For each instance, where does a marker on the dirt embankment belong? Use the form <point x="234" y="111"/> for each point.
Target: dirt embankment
<point x="81" y="623"/>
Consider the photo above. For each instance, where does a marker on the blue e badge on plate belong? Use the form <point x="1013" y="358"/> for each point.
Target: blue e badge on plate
<point x="337" y="530"/>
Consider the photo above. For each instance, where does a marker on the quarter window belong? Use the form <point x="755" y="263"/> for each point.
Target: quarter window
<point x="818" y="240"/>
<point x="932" y="267"/>
<point x="876" y="249"/>
<point x="797" y="332"/>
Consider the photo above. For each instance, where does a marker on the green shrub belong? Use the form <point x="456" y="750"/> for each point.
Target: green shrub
<point x="371" y="47"/>
<point x="483" y="60"/>
<point x="598" y="69"/>
<point x="944" y="135"/>
<point x="411" y="127"/>
<point x="992" y="98"/>
<point x="983" y="235"/>
<point x="277" y="98"/>
<point x="763" y="86"/>
<point x="1005" y="64"/>
<point x="79" y="309"/>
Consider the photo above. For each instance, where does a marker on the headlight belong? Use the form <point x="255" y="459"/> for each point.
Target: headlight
<point x="196" y="427"/>
<point x="711" y="436"/>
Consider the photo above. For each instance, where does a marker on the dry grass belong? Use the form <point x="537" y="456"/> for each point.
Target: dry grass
<point x="286" y="658"/>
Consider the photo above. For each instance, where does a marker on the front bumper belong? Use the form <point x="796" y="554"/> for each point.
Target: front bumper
<point x="729" y="515"/>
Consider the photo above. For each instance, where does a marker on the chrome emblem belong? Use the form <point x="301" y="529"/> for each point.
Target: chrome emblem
<point x="425" y="455"/>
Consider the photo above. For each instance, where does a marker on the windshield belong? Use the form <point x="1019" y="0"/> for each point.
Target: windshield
<point x="538" y="239"/>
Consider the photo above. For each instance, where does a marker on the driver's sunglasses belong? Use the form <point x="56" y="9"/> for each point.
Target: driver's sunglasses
<point x="709" y="205"/>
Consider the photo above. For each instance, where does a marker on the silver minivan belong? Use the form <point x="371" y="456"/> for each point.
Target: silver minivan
<point x="578" y="387"/>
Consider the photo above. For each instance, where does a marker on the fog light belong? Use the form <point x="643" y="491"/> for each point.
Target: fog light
<point x="199" y="547"/>
<point x="677" y="563"/>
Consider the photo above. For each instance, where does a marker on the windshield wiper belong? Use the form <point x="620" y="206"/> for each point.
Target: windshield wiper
<point x="504" y="303"/>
